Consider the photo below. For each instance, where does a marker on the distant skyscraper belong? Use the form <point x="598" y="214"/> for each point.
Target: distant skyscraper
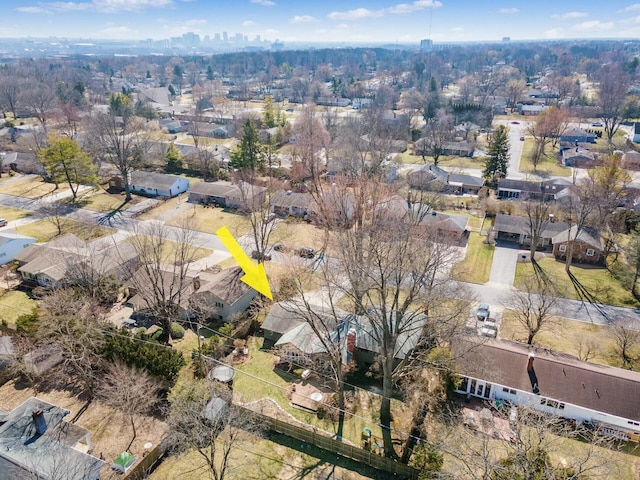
<point x="225" y="36"/>
<point x="238" y="38"/>
<point x="426" y="45"/>
<point x="258" y="38"/>
<point x="506" y="39"/>
<point x="216" y="38"/>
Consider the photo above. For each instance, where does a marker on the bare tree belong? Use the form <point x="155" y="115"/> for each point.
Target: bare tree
<point x="436" y="133"/>
<point x="530" y="449"/>
<point x="162" y="278"/>
<point x="533" y="305"/>
<point x="120" y="138"/>
<point x="209" y="426"/>
<point x="10" y="93"/>
<point x="55" y="213"/>
<point x="626" y="338"/>
<point x="612" y="98"/>
<point x="312" y="138"/>
<point x="129" y="390"/>
<point x="41" y="100"/>
<point x="514" y="90"/>
<point x="538" y="219"/>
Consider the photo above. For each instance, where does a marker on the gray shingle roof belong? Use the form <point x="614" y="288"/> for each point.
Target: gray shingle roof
<point x="160" y="181"/>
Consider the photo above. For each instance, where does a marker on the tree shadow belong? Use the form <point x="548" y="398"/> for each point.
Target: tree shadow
<point x="106" y="219"/>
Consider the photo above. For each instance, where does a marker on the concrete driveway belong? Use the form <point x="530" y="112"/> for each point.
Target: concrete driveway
<point x="503" y="268"/>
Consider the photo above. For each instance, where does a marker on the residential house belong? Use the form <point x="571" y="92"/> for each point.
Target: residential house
<point x="530" y="110"/>
<point x="172" y="126"/>
<point x="286" y="203"/>
<point x="302" y="346"/>
<point x="631" y="160"/>
<point x="555" y="188"/>
<point x="332" y="102"/>
<point x="431" y="177"/>
<point x="226" y="194"/>
<point x="280" y="319"/>
<point x="577" y="135"/>
<point x="157" y="96"/>
<point x="586" y="246"/>
<point x="69" y="259"/>
<point x="459" y="149"/>
<point x="223" y="295"/>
<point x="509" y="188"/>
<point x="36" y="442"/>
<point x="157" y="184"/>
<point x="11" y="244"/>
<point x="579" y="157"/>
<point x="553" y="383"/>
<point x="511" y="228"/>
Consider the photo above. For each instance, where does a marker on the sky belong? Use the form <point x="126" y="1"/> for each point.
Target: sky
<point x="350" y="21"/>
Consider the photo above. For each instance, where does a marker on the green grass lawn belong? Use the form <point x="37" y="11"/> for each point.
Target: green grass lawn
<point x="14" y="303"/>
<point x="474" y="221"/>
<point x="10" y="214"/>
<point x="261" y="365"/>
<point x="476" y="266"/>
<point x="45" y="231"/>
<point x="596" y="280"/>
<point x="170" y="249"/>
<point x="547" y="164"/>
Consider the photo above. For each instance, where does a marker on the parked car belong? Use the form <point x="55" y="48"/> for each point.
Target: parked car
<point x="306" y="252"/>
<point x="597" y="124"/>
<point x="261" y="257"/>
<point x="280" y="247"/>
<point x="483" y="311"/>
<point x="522" y="139"/>
<point x="3" y="222"/>
<point x="515" y="122"/>
<point x="489" y="330"/>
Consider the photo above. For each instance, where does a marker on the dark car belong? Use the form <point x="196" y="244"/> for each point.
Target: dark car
<point x="280" y="247"/>
<point x="306" y="252"/>
<point x="515" y="123"/>
<point x="483" y="311"/>
<point x="261" y="257"/>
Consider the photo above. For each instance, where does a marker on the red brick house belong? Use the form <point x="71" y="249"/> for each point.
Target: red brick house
<point x="587" y="247"/>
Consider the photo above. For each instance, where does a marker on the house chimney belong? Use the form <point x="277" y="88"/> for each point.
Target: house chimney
<point x="552" y="218"/>
<point x="39" y="421"/>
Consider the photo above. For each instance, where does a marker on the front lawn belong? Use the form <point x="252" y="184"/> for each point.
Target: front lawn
<point x="547" y="165"/>
<point x="101" y="201"/>
<point x="45" y="231"/>
<point x="476" y="267"/>
<point x="569" y="336"/>
<point x="297" y="234"/>
<point x="32" y="187"/>
<point x="11" y="214"/>
<point x="170" y="249"/>
<point x="210" y="220"/>
<point x="597" y="281"/>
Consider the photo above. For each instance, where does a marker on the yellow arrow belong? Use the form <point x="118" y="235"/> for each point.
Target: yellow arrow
<point x="254" y="275"/>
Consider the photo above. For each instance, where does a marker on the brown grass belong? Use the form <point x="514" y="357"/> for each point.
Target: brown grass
<point x="32" y="187"/>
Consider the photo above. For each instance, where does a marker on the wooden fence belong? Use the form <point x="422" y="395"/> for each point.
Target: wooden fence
<point x="400" y="470"/>
<point x="144" y="465"/>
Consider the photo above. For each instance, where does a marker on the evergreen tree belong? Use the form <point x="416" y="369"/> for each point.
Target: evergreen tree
<point x="173" y="158"/>
<point x="249" y="155"/>
<point x="209" y="73"/>
<point x="498" y="161"/>
<point x="268" y="114"/>
<point x="65" y="162"/>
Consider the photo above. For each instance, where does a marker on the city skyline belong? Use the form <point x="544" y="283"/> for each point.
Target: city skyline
<point x="372" y="21"/>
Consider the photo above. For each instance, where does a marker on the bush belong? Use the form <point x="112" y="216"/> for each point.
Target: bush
<point x="157" y="335"/>
<point x="177" y="332"/>
<point x="158" y="360"/>
<point x="28" y="323"/>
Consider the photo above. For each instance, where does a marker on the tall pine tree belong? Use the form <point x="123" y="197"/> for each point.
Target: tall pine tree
<point x="249" y="155"/>
<point x="498" y="161"/>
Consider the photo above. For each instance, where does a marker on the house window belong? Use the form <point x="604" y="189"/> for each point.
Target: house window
<point x="510" y="391"/>
<point x="633" y="423"/>
<point x="590" y="252"/>
<point x="562" y="248"/>
<point x="219" y="305"/>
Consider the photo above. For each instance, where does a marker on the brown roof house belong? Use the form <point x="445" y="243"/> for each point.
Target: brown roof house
<point x="511" y="228"/>
<point x="36" y="442"/>
<point x="70" y="259"/>
<point x="222" y="296"/>
<point x="431" y="177"/>
<point x="286" y="203"/>
<point x="587" y="247"/>
<point x="553" y="383"/>
<point x="226" y="194"/>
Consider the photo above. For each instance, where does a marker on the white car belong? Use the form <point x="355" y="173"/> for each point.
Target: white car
<point x="489" y="329"/>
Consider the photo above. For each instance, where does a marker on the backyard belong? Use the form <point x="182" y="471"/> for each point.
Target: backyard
<point x="31" y="187"/>
<point x="547" y="165"/>
<point x="209" y="219"/>
<point x="14" y="303"/>
<point x="45" y="230"/>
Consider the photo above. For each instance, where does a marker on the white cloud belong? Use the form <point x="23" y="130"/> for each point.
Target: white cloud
<point x="264" y="3"/>
<point x="303" y="19"/>
<point x="357" y="14"/>
<point x="508" y="10"/>
<point x="399" y="9"/>
<point x="554" y="33"/>
<point x="36" y="10"/>
<point x="631" y="8"/>
<point x="569" y="15"/>
<point x="249" y="23"/>
<point x="70" y="6"/>
<point x="113" y="32"/>
<point x="593" y="25"/>
<point x="111" y="6"/>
